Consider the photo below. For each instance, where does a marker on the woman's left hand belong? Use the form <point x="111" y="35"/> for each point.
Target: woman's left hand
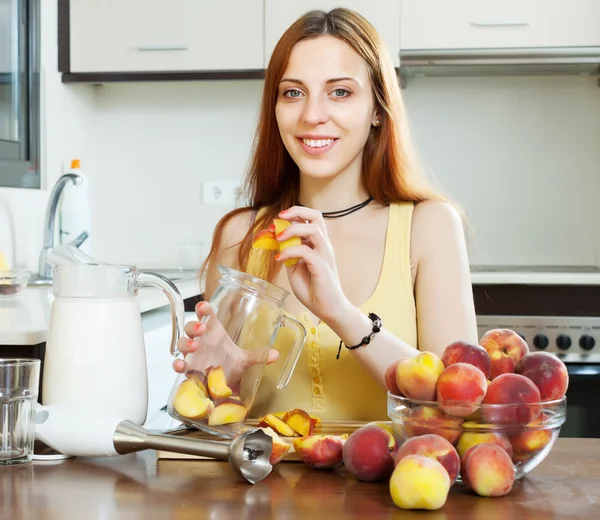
<point x="314" y="278"/>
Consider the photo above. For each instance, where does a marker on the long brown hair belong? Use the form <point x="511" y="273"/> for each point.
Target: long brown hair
<point x="390" y="167"/>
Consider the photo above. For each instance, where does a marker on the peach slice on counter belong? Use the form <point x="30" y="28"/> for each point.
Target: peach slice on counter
<point x="217" y="383"/>
<point x="277" y="424"/>
<point x="280" y="447"/>
<point x="300" y="422"/>
<point x="321" y="451"/>
<point x="316" y="421"/>
<point x="227" y="411"/>
<point x="191" y="401"/>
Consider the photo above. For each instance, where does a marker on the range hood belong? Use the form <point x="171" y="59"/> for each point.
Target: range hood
<point x="501" y="61"/>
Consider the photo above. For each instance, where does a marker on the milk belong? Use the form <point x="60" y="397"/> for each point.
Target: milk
<point x="95" y="356"/>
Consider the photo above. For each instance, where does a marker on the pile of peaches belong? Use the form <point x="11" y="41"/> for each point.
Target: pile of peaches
<point x="475" y="414"/>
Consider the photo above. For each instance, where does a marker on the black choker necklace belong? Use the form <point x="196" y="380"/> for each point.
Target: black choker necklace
<point x="343" y="212"/>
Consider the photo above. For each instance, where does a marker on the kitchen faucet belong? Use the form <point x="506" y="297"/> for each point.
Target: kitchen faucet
<point x="44" y="268"/>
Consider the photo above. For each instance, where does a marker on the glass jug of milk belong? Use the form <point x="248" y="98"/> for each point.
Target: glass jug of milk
<point x="95" y="353"/>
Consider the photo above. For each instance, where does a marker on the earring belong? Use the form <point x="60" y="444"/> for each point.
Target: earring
<point x="376" y="122"/>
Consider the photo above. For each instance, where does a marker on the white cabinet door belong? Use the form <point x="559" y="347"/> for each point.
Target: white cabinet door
<point x="469" y="24"/>
<point x="165" y="35"/>
<point x="383" y="14"/>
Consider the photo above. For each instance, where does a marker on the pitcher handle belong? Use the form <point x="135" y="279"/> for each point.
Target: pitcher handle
<point x="294" y="355"/>
<point x="149" y="279"/>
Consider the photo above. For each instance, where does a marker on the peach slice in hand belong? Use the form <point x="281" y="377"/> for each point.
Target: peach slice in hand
<point x="281" y="225"/>
<point x="265" y="239"/>
<point x="191" y="401"/>
<point x="321" y="451"/>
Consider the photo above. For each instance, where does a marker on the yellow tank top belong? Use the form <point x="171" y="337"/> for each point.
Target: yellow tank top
<point x="342" y="389"/>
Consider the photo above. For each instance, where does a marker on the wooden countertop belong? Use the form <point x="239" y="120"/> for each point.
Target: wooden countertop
<point x="565" y="486"/>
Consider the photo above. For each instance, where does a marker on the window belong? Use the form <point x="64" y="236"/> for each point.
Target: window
<point x="19" y="93"/>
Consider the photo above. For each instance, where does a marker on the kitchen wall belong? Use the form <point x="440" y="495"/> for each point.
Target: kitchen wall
<point x="521" y="154"/>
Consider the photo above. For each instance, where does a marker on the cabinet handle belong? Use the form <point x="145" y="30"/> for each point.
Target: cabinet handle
<point x="162" y="48"/>
<point x="501" y="24"/>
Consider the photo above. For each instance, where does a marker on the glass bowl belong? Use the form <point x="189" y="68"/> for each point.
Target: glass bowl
<point x="12" y="282"/>
<point x="526" y="431"/>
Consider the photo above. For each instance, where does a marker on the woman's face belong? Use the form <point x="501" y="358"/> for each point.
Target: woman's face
<point x="325" y="107"/>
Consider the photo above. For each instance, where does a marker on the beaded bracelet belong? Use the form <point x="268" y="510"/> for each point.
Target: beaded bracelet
<point x="377" y="324"/>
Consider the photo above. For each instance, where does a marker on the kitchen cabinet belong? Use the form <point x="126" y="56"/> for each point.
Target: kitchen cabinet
<point x="160" y="36"/>
<point x="383" y="14"/>
<point x="471" y="24"/>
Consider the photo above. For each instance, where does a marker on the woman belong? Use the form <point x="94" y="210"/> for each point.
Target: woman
<point x="333" y="155"/>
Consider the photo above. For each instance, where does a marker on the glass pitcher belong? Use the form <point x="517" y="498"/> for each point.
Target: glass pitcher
<point x="217" y="387"/>
<point x="95" y="352"/>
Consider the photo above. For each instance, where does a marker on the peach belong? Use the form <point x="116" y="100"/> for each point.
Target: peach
<point x="321" y="451"/>
<point x="505" y="348"/>
<point x="217" y="383"/>
<point x="265" y="239"/>
<point x="229" y="411"/>
<point x="300" y="422"/>
<point x="463" y="352"/>
<point x="277" y="424"/>
<point x="430" y="419"/>
<point x="419" y="482"/>
<point x="390" y="378"/>
<point x="532" y="440"/>
<point x="369" y="453"/>
<point x="487" y="470"/>
<point x="547" y="372"/>
<point x="460" y="389"/>
<point x="520" y="395"/>
<point x="190" y="400"/>
<point x="435" y="447"/>
<point x="280" y="447"/>
<point x="472" y="438"/>
<point x="416" y="377"/>
<point x="200" y="377"/>
<point x="280" y="225"/>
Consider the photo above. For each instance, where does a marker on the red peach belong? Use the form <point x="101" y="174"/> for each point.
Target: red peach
<point x="369" y="453"/>
<point x="430" y="419"/>
<point x="320" y="451"/>
<point x="460" y="389"/>
<point x="547" y="372"/>
<point x="532" y="440"/>
<point x="487" y="470"/>
<point x="390" y="378"/>
<point x="435" y="447"/>
<point x="505" y="348"/>
<point x="463" y="352"/>
<point x="518" y="393"/>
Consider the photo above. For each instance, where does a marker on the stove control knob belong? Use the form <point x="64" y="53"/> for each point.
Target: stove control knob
<point x="541" y="341"/>
<point x="586" y="342"/>
<point x="563" y="342"/>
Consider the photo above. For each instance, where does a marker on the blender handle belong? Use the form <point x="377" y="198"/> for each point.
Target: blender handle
<point x="149" y="279"/>
<point x="294" y="355"/>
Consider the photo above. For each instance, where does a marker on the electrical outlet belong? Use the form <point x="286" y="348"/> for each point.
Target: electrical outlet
<point x="219" y="193"/>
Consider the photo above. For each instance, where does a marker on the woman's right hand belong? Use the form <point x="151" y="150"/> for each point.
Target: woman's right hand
<point x="211" y="336"/>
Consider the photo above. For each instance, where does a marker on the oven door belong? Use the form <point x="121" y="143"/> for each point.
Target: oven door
<point x="583" y="416"/>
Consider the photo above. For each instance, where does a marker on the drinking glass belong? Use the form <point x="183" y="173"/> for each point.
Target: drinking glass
<point x="19" y="385"/>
